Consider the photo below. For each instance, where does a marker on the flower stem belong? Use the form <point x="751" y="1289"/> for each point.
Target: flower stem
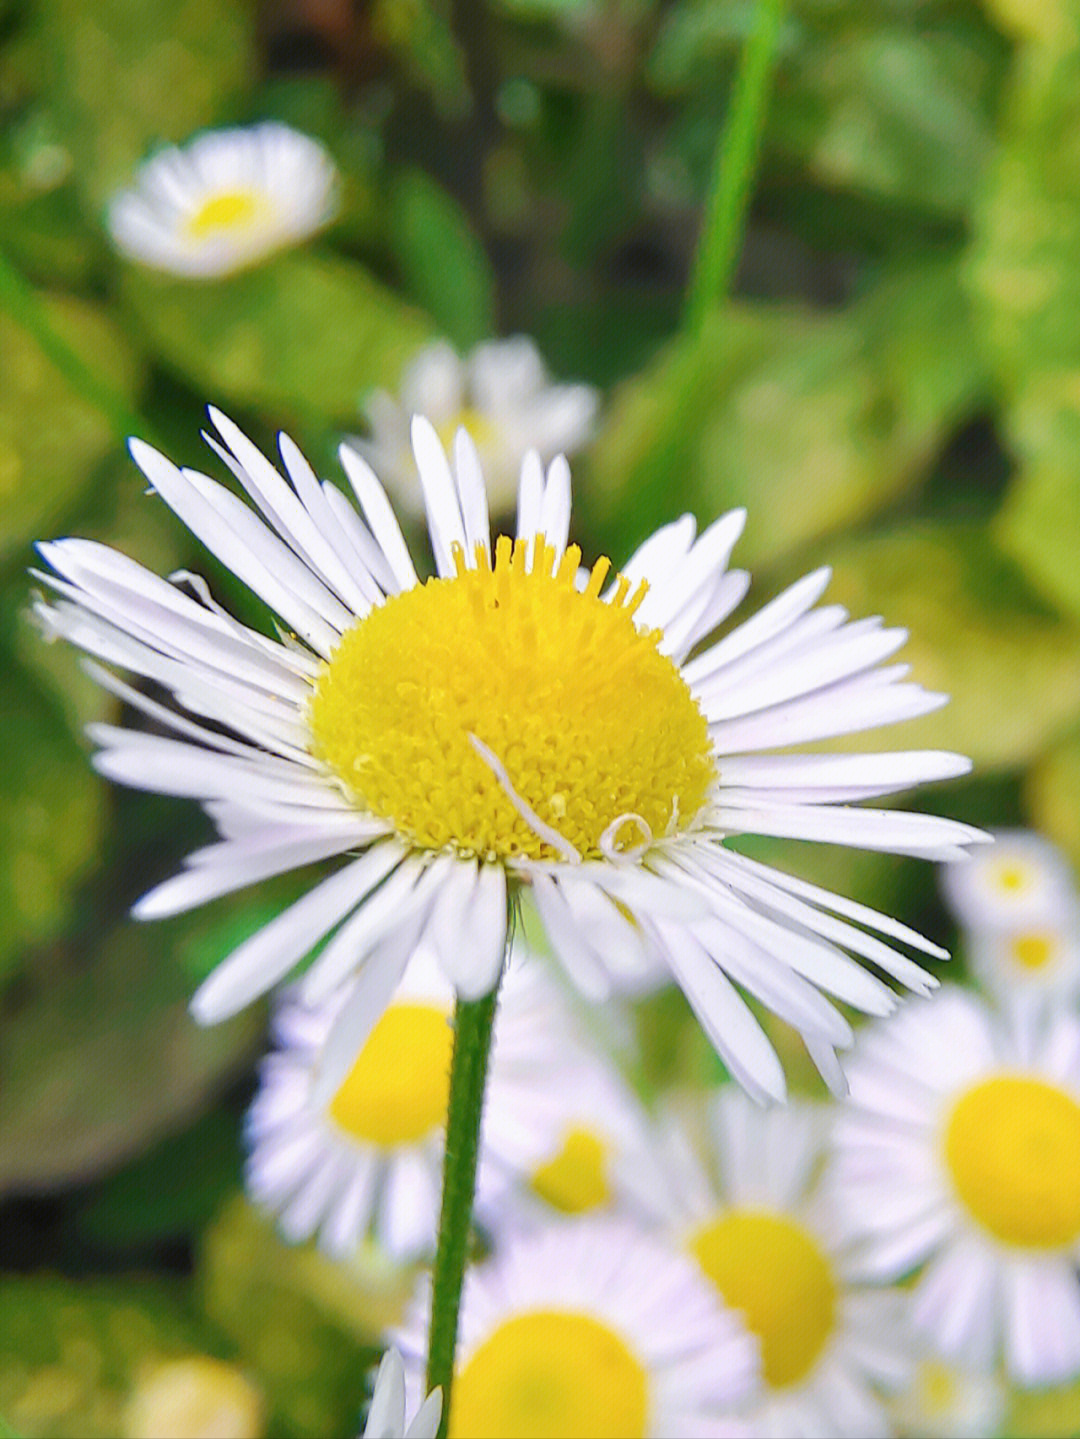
<point x="733" y="168"/>
<point x="473" y="1021"/>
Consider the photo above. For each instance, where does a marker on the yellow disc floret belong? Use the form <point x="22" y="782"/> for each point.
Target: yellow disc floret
<point x="1032" y="951"/>
<point x="225" y="213"/>
<point x="551" y="1375"/>
<point x="774" y="1271"/>
<point x="398" y="1087"/>
<point x="575" y="1179"/>
<point x="595" y="731"/>
<point x="1012" y="1148"/>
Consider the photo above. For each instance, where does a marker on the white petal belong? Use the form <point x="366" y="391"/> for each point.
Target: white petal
<point x="770" y="620"/>
<point x="473" y="496"/>
<point x="380" y="516"/>
<point x="890" y="831"/>
<point x="370" y="993"/>
<point x="256" y="965"/>
<point x="440" y="495"/>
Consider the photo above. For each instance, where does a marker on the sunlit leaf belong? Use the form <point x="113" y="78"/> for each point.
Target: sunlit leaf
<point x="261" y="337"/>
<point x="976" y="633"/>
<point x="51" y="436"/>
<point x="309" y="1325"/>
<point x="127" y="75"/>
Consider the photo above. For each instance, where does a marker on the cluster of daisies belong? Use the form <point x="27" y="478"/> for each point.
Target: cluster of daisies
<point x="517" y="741"/>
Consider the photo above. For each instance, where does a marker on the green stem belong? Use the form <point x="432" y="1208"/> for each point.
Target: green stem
<point x="733" y="169"/>
<point x="25" y="306"/>
<point x="473" y="1021"/>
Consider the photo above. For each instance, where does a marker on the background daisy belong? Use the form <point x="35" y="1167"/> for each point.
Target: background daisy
<point x="363" y="1158"/>
<point x="501" y="393"/>
<point x="225" y="200"/>
<point x="747" y="1202"/>
<point x="959" y="1151"/>
<point x="591" y="1330"/>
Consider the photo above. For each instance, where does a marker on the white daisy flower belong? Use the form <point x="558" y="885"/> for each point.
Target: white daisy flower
<point x="1021" y="882"/>
<point x="364" y="1160"/>
<point x="960" y="1150"/>
<point x="944" y="1401"/>
<point x="501" y="393"/>
<point x="1037" y="965"/>
<point x="576" y="1142"/>
<point x="591" y="1330"/>
<point x="495" y="728"/>
<point x="225" y="200"/>
<point x="748" y="1203"/>
<point x="386" y="1417"/>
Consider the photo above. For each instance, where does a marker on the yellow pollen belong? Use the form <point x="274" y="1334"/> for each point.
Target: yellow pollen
<point x="936" y="1386"/>
<point x="575" y="1180"/>
<point x="231" y="210"/>
<point x="588" y="720"/>
<point x="772" y="1270"/>
<point x="551" y="1375"/>
<point x="1032" y="951"/>
<point x="476" y="425"/>
<point x="1012" y="877"/>
<point x="1012" y="1148"/>
<point x="397" y="1090"/>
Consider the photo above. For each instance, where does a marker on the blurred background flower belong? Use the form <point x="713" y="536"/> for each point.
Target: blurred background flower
<point x="892" y="390"/>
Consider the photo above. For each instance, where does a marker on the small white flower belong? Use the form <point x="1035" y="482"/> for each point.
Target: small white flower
<point x="1036" y="965"/>
<point x="747" y="1201"/>
<point x="1021" y="882"/>
<point x="960" y="1150"/>
<point x="497" y="729"/>
<point x="590" y="1329"/>
<point x="944" y="1401"/>
<point x="363" y="1158"/>
<point x="576" y="1142"/>
<point x="503" y="396"/>
<point x="225" y="200"/>
<point x="386" y="1417"/>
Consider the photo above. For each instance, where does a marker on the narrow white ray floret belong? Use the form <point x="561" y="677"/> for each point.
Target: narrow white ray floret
<point x="509" y="724"/>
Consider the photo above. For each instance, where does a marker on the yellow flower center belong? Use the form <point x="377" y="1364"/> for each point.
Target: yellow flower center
<point x="772" y="1270"/>
<point x="230" y="211"/>
<point x="594" y="731"/>
<point x="476" y="425"/>
<point x="936" y="1387"/>
<point x="1032" y="951"/>
<point x="575" y="1179"/>
<point x="1012" y="1148"/>
<point x="551" y="1374"/>
<point x="1012" y="877"/>
<point x="397" y="1090"/>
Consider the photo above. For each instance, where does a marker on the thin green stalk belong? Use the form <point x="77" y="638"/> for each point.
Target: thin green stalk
<point x="473" y="1021"/>
<point x="23" y="304"/>
<point x="733" y="169"/>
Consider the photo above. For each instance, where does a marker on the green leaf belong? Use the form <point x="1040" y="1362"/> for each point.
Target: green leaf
<point x="51" y="437"/>
<point x="75" y="1353"/>
<point x="309" y="1325"/>
<point x="51" y="814"/>
<point x="441" y="260"/>
<point x="976" y="633"/>
<point x="173" y="1190"/>
<point x="1052" y="790"/>
<point x="102" y="1059"/>
<point x="306" y="332"/>
<point x="1026" y="284"/>
<point x="812" y="421"/>
<point x="126" y="75"/>
<point x="901" y="113"/>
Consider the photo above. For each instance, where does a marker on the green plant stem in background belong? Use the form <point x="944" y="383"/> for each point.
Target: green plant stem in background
<point x="733" y="169"/>
<point x="473" y="1021"/>
<point x="23" y="304"/>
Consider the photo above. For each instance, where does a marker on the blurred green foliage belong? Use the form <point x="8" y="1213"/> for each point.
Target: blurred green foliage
<point x="894" y="390"/>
